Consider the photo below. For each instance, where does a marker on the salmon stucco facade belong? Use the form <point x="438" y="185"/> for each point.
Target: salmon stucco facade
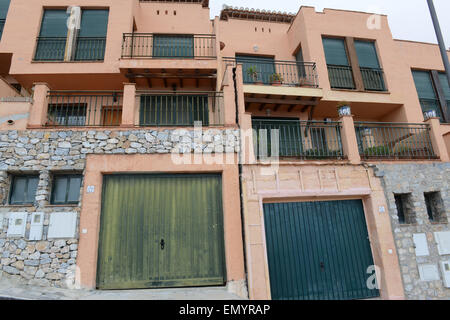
<point x="281" y="156"/>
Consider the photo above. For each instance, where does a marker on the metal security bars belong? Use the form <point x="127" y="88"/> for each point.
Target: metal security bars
<point x="341" y="77"/>
<point x="295" y="138"/>
<point x="276" y="72"/>
<point x="84" y="108"/>
<point x="90" y="48"/>
<point x="181" y="108"/>
<point x="373" y="79"/>
<point x="2" y="25"/>
<point x="148" y="45"/>
<point x="377" y="140"/>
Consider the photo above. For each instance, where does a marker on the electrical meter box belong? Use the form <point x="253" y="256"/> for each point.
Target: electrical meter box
<point x="17" y="224"/>
<point x="37" y="226"/>
<point x="62" y="225"/>
<point x="445" y="267"/>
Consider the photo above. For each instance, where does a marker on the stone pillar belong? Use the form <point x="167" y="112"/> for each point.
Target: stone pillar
<point x="229" y="107"/>
<point x="129" y="104"/>
<point x="437" y="140"/>
<point x="39" y="108"/>
<point x="349" y="141"/>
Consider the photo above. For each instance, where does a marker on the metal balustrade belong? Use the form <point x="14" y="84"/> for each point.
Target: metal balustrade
<point x="84" y="108"/>
<point x="297" y="139"/>
<point x="373" y="79"/>
<point x="164" y="109"/>
<point x="341" y="77"/>
<point x="90" y="48"/>
<point x="381" y="140"/>
<point x="277" y="72"/>
<point x="50" y="49"/>
<point x="170" y="46"/>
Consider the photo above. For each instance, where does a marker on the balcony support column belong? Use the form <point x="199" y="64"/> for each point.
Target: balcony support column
<point x="349" y="140"/>
<point x="129" y="105"/>
<point x="229" y="112"/>
<point x="437" y="140"/>
<point x="39" y="108"/>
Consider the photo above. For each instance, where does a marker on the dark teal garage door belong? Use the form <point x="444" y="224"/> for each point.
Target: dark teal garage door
<point x="318" y="250"/>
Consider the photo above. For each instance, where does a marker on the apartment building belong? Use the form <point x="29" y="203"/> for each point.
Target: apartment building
<point x="284" y="156"/>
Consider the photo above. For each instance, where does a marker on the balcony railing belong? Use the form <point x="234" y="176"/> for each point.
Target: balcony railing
<point x="148" y="45"/>
<point x="277" y="72"/>
<point x="84" y="108"/>
<point x="86" y="49"/>
<point x="2" y="25"/>
<point x="378" y="140"/>
<point x="341" y="77"/>
<point x="163" y="109"/>
<point x="297" y="139"/>
<point x="373" y="79"/>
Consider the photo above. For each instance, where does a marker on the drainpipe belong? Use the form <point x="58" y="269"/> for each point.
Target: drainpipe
<point x="440" y="38"/>
<point x="241" y="189"/>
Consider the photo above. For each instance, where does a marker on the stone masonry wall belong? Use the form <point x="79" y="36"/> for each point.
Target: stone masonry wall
<point x="53" y="262"/>
<point x="417" y="179"/>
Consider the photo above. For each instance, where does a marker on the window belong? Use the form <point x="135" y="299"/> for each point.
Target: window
<point x="166" y="110"/>
<point x="435" y="207"/>
<point x="4" y="6"/>
<point x="427" y="91"/>
<point x="300" y="63"/>
<point x="339" y="69"/>
<point x="66" y="189"/>
<point x="173" y="46"/>
<point x="405" y="210"/>
<point x="67" y="114"/>
<point x="445" y="87"/>
<point x="371" y="72"/>
<point x="23" y="189"/>
<point x="90" y="41"/>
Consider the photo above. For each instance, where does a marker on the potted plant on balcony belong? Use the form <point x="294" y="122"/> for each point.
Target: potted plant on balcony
<point x="252" y="72"/>
<point x="276" y="79"/>
<point x="344" y="109"/>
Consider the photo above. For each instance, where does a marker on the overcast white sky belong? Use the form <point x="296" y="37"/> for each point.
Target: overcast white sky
<point x="409" y="19"/>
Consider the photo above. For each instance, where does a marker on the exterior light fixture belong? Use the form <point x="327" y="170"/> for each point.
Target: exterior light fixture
<point x="268" y="112"/>
<point x="344" y="111"/>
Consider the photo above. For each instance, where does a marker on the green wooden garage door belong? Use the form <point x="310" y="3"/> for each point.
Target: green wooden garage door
<point x="161" y="231"/>
<point x="318" y="250"/>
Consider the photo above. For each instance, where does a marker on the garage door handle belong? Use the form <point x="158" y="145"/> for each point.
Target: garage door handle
<point x="162" y="243"/>
<point x="322" y="266"/>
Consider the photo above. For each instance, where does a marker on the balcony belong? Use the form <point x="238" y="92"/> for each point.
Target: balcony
<point x="394" y="141"/>
<point x="155" y="46"/>
<point x="84" y="109"/>
<point x="2" y="25"/>
<point x="277" y="72"/>
<point x="152" y="108"/>
<point x="295" y="139"/>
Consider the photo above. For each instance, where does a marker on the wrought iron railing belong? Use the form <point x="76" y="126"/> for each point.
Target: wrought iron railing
<point x="382" y="140"/>
<point x="373" y="79"/>
<point x="2" y="25"/>
<point x="90" y="48"/>
<point x="277" y="72"/>
<point x="297" y="139"/>
<point x="84" y="108"/>
<point x="431" y="105"/>
<point x="167" y="109"/>
<point x="148" y="45"/>
<point x="50" y="49"/>
<point x="341" y="77"/>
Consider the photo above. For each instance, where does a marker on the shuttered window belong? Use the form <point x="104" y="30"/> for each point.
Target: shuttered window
<point x="445" y="87"/>
<point x="367" y="54"/>
<point x="335" y="52"/>
<point x="23" y="189"/>
<point x="4" y="6"/>
<point x="170" y="46"/>
<point x="426" y="91"/>
<point x="91" y="40"/>
<point x="52" y="37"/>
<point x="66" y="189"/>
